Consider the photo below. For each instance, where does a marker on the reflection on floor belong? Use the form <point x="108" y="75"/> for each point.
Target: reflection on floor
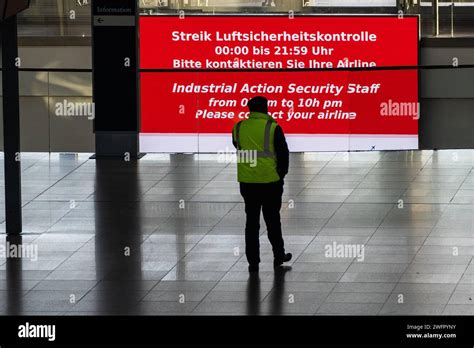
<point x="164" y="236"/>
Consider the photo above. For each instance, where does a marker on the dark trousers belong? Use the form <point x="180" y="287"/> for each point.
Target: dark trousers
<point x="265" y="198"/>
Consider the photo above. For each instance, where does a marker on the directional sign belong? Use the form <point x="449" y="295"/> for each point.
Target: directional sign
<point x="114" y="21"/>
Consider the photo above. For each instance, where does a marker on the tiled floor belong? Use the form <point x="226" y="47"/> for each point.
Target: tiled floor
<point x="165" y="236"/>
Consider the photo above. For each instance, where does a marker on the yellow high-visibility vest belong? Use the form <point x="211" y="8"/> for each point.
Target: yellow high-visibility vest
<point x="256" y="159"/>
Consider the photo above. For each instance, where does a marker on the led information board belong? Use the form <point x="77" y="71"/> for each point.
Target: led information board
<point x="199" y="71"/>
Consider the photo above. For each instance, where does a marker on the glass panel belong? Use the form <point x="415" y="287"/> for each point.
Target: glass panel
<point x="56" y="18"/>
<point x="455" y="18"/>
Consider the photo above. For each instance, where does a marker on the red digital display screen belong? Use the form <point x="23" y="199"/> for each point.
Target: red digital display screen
<point x="203" y="70"/>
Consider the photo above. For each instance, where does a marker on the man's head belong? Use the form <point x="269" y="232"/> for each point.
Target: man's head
<point x="258" y="104"/>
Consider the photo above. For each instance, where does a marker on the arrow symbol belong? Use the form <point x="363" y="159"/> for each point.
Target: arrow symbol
<point x="100" y="20"/>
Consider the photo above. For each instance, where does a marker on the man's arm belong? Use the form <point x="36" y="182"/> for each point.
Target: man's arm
<point x="234" y="131"/>
<point x="282" y="152"/>
<point x="234" y="142"/>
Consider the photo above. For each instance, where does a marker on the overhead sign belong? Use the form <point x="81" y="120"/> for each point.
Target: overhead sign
<point x="203" y="70"/>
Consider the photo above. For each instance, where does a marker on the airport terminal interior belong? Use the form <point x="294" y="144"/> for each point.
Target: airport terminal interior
<point x="82" y="213"/>
<point x="164" y="235"/>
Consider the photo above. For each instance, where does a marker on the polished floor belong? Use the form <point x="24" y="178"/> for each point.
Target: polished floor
<point x="164" y="236"/>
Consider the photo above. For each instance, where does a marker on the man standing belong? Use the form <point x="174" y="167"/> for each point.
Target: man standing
<point x="261" y="181"/>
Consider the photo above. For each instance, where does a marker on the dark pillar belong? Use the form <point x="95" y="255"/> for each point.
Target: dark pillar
<point x="11" y="126"/>
<point x="14" y="278"/>
<point x="115" y="77"/>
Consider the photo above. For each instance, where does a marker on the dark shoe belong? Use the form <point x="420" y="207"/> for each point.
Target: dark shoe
<point x="253" y="268"/>
<point x="279" y="262"/>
